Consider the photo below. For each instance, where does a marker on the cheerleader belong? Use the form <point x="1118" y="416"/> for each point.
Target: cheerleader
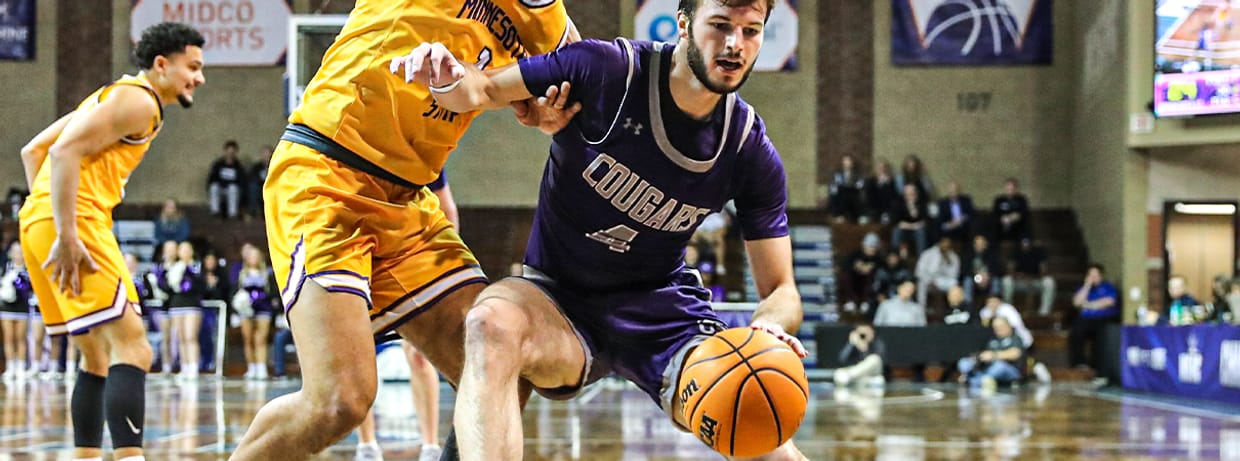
<point x="253" y="303"/>
<point x="184" y="282"/>
<point x="15" y="296"/>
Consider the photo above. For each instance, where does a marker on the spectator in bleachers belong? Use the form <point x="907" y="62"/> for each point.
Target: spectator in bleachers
<point x="881" y="193"/>
<point x="1028" y="272"/>
<point x="980" y="269"/>
<point x="1181" y="304"/>
<point x="913" y="172"/>
<point x="226" y="182"/>
<point x="171" y="225"/>
<point x="281" y="345"/>
<point x="959" y="311"/>
<point x="956" y="213"/>
<point x="862" y="358"/>
<point x="710" y="237"/>
<point x="185" y="284"/>
<point x="1233" y="303"/>
<point x="901" y="310"/>
<point x="15" y="294"/>
<point x="140" y="281"/>
<point x="938" y="268"/>
<point x="996" y="308"/>
<point x="1098" y="301"/>
<point x="255" y="302"/>
<point x="1001" y="361"/>
<point x="888" y="277"/>
<point x="911" y="219"/>
<point x="217" y="292"/>
<point x="15" y="197"/>
<point x="1011" y="214"/>
<point x="860" y="277"/>
<point x="39" y="345"/>
<point x="160" y="295"/>
<point x="217" y="283"/>
<point x="254" y="183"/>
<point x="847" y="186"/>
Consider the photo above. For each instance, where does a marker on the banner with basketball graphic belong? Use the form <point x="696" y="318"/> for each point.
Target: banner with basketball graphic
<point x="971" y="32"/>
<point x="656" y="21"/>
<point x="17" y="30"/>
<point x="237" y="32"/>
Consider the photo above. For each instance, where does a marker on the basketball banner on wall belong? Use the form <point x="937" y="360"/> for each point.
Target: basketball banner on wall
<point x="656" y="21"/>
<point x="971" y="32"/>
<point x="17" y="30"/>
<point x="237" y="32"/>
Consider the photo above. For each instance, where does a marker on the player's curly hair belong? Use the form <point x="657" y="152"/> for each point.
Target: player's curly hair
<point x="690" y="6"/>
<point x="165" y="39"/>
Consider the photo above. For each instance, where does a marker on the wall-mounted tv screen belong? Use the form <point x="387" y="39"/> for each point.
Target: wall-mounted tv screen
<point x="1197" y="57"/>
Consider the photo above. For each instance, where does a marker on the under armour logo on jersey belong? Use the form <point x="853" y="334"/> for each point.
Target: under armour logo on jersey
<point x="629" y="125"/>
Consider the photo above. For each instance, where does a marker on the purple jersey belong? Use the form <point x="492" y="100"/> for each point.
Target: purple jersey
<point x="631" y="177"/>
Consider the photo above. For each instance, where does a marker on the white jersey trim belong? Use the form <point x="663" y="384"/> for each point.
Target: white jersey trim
<point x="660" y="132"/>
<point x="628" y="84"/>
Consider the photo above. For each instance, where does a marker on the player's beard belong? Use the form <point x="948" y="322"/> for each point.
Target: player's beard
<point x="185" y="101"/>
<point x="698" y="65"/>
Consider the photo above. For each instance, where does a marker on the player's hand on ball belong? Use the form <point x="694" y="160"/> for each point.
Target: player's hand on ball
<point x="549" y="113"/>
<point x="778" y="331"/>
<point x="430" y="64"/>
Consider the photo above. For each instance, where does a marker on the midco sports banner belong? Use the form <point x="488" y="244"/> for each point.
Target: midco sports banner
<point x="971" y="32"/>
<point x="656" y="21"/>
<point x="237" y="32"/>
<point x="17" y="30"/>
<point x="1200" y="361"/>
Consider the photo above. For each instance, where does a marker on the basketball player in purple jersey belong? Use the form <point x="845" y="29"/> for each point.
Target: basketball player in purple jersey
<point x="662" y="141"/>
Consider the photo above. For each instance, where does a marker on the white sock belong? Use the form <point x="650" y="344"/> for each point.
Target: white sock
<point x="249" y="369"/>
<point x="133" y="458"/>
<point x="372" y="444"/>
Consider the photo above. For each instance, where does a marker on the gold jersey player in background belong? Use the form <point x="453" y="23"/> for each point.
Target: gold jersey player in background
<point x="359" y="246"/>
<point x="76" y="169"/>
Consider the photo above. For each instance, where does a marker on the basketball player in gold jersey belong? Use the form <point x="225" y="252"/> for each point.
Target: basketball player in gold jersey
<point x="76" y="169"/>
<point x="359" y="246"/>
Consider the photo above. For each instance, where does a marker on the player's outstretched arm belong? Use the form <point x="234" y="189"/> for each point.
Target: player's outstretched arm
<point x="459" y="87"/>
<point x="35" y="151"/>
<point x="779" y="312"/>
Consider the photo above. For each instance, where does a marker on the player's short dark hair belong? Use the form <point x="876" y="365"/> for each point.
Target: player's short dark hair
<point x="688" y="7"/>
<point x="231" y="143"/>
<point x="165" y="39"/>
<point x="1101" y="270"/>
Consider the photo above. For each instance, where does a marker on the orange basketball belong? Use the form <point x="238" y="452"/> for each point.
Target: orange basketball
<point x="743" y="392"/>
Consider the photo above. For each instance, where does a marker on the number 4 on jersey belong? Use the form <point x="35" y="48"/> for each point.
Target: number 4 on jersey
<point x="617" y="238"/>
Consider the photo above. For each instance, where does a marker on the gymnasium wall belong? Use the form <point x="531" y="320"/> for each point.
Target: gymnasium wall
<point x="1097" y="178"/>
<point x="1025" y="132"/>
<point x="29" y="100"/>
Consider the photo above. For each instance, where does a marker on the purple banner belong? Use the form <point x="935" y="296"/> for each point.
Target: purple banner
<point x="971" y="32"/>
<point x="1197" y="93"/>
<point x="1200" y="361"/>
<point x="17" y="30"/>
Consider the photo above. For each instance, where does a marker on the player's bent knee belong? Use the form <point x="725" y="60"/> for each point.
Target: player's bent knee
<point x="345" y="409"/>
<point x="493" y="324"/>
